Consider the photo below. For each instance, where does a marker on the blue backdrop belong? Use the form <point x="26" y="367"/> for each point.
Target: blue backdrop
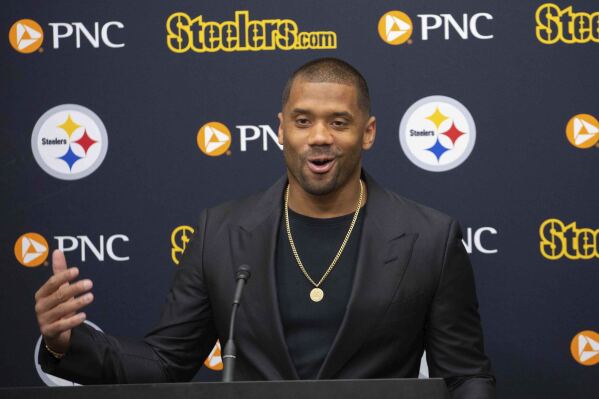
<point x="134" y="163"/>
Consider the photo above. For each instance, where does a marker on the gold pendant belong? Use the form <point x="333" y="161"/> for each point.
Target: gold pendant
<point x="316" y="294"/>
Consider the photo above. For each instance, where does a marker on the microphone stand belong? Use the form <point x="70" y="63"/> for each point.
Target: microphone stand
<point x="230" y="351"/>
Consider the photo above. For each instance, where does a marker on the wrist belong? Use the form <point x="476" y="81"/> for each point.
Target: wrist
<point x="55" y="354"/>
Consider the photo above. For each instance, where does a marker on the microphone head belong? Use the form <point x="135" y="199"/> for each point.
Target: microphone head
<point x="243" y="272"/>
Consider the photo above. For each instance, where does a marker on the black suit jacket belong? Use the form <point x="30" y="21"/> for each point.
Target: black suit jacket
<point x="413" y="290"/>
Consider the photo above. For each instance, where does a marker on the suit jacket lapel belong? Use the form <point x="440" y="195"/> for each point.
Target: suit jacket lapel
<point x="385" y="251"/>
<point x="253" y="242"/>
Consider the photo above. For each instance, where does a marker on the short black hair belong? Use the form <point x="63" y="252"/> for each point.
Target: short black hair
<point x="331" y="70"/>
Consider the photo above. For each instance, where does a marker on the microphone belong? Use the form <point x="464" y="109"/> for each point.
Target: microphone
<point x="230" y="352"/>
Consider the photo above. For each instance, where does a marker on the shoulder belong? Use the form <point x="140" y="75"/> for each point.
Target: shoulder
<point x="245" y="211"/>
<point x="412" y="216"/>
<point x="234" y="208"/>
<point x="423" y="213"/>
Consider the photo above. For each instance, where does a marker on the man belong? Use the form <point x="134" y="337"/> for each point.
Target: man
<point x="348" y="280"/>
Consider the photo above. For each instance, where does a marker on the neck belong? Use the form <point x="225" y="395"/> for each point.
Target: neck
<point x="338" y="203"/>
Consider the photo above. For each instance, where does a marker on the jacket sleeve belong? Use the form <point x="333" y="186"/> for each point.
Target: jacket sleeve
<point x="172" y="351"/>
<point x="453" y="332"/>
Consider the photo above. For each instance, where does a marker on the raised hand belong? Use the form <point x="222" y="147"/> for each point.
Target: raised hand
<point x="58" y="301"/>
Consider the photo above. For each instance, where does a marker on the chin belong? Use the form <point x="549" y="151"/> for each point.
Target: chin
<point x="319" y="186"/>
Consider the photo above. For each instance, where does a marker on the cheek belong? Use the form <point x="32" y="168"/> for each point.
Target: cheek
<point x="290" y="154"/>
<point x="351" y="148"/>
<point x="291" y="147"/>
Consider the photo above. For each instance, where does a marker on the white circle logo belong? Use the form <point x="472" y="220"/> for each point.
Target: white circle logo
<point x="437" y="133"/>
<point x="69" y="142"/>
<point x="49" y="379"/>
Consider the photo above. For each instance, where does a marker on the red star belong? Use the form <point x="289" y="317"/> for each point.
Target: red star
<point x="85" y="142"/>
<point x="453" y="133"/>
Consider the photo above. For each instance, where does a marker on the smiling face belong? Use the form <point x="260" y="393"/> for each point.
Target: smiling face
<point x="323" y="132"/>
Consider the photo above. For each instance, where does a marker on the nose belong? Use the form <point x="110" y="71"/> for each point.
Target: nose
<point x="320" y="135"/>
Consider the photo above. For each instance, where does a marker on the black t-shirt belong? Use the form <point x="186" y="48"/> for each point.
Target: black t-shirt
<point x="310" y="327"/>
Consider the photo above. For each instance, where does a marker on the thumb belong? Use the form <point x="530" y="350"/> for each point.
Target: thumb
<point x="59" y="263"/>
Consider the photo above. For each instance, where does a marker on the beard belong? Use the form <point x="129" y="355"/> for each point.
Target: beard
<point x="327" y="183"/>
<point x="318" y="187"/>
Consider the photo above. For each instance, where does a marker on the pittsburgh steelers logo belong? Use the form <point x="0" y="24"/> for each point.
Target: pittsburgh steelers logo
<point x="69" y="142"/>
<point x="437" y="133"/>
<point x="31" y="249"/>
<point x="26" y="36"/>
<point x="180" y="237"/>
<point x="395" y="28"/>
<point x="214" y="139"/>
<point x="582" y="131"/>
<point x="585" y="348"/>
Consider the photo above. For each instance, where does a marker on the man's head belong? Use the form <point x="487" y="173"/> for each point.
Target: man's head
<point x="325" y="124"/>
<point x="331" y="70"/>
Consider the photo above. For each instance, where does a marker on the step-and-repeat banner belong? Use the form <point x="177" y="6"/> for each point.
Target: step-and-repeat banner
<point x="120" y="121"/>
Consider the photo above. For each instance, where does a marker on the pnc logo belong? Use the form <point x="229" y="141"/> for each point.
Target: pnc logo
<point x="555" y="24"/>
<point x="559" y="240"/>
<point x="396" y="27"/>
<point x="585" y="348"/>
<point x="473" y="240"/>
<point x="437" y="133"/>
<point x="185" y="33"/>
<point x="31" y="249"/>
<point x="180" y="237"/>
<point x="69" y="142"/>
<point x="214" y="360"/>
<point x="214" y="139"/>
<point x="26" y="36"/>
<point x="582" y="131"/>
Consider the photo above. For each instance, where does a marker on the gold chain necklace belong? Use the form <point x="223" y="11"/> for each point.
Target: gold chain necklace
<point x="317" y="294"/>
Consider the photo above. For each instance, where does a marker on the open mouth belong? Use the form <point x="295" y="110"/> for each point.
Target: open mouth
<point x="321" y="164"/>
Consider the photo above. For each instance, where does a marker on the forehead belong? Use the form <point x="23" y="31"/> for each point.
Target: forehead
<point x="322" y="97"/>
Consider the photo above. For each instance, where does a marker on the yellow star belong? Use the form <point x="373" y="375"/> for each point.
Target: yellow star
<point x="437" y="117"/>
<point x="69" y="126"/>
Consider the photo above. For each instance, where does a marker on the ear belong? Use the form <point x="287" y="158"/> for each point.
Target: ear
<point x="280" y="132"/>
<point x="369" y="134"/>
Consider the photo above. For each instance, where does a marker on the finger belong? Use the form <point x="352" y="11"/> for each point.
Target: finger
<point x="66" y="309"/>
<point x="54" y="329"/>
<point x="59" y="263"/>
<point x="63" y="294"/>
<point x="56" y="281"/>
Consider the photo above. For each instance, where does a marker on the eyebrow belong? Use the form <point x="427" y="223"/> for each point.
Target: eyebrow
<point x="344" y="114"/>
<point x="297" y="111"/>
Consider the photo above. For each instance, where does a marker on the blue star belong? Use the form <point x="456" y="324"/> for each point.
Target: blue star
<point x="70" y="158"/>
<point x="437" y="149"/>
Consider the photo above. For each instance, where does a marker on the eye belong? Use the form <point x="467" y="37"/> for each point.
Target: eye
<point x="339" y="123"/>
<point x="302" y="122"/>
